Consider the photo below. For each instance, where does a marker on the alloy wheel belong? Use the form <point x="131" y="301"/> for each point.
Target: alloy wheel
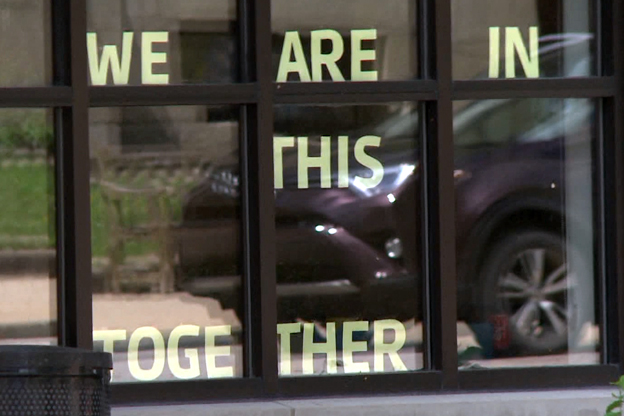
<point x="533" y="292"/>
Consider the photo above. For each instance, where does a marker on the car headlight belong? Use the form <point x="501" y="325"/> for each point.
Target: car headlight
<point x="394" y="177"/>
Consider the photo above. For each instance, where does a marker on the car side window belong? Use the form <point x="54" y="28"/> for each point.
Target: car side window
<point x="502" y="123"/>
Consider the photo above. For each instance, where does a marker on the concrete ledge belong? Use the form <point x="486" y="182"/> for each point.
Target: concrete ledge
<point x="14" y="262"/>
<point x="220" y="409"/>
<point x="586" y="402"/>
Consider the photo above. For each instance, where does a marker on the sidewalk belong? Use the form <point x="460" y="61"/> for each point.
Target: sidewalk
<point x="28" y="313"/>
<point x="29" y="301"/>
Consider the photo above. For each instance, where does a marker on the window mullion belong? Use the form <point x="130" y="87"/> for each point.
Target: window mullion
<point x="73" y="195"/>
<point x="441" y="196"/>
<point x="262" y="312"/>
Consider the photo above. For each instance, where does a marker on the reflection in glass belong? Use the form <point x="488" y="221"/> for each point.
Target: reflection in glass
<point x="359" y="40"/>
<point x="27" y="232"/>
<point x="520" y="39"/>
<point x="26" y="43"/>
<point x="347" y="230"/>
<point x="142" y="42"/>
<point x="165" y="211"/>
<point x="526" y="291"/>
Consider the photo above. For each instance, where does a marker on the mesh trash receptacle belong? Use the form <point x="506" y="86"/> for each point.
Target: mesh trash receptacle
<point x="54" y="381"/>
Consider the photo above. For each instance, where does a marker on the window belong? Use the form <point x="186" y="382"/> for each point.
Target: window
<point x="349" y="276"/>
<point x="262" y="199"/>
<point x="166" y="242"/>
<point x="28" y="229"/>
<point x="523" y="171"/>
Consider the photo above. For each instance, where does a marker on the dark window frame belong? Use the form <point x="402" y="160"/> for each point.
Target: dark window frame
<point x="71" y="97"/>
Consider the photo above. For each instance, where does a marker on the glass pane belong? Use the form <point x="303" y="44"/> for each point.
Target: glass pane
<point x="348" y="249"/>
<point x="359" y="40"/>
<point x="523" y="39"/>
<point x="526" y="272"/>
<point x="165" y="211"/>
<point x="26" y="43"/>
<point x="27" y="228"/>
<point x="144" y="42"/>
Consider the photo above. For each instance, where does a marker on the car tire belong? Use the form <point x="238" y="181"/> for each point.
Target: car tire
<point x="527" y="293"/>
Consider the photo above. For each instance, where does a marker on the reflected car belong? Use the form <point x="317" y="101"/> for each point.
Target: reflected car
<point x="354" y="252"/>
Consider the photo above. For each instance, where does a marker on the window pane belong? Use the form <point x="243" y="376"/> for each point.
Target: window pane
<point x="26" y="43"/>
<point x="347" y="230"/>
<point x="359" y="40"/>
<point x="526" y="272"/>
<point x="27" y="228"/>
<point x="143" y="42"/>
<point x="165" y="211"/>
<point x="522" y="39"/>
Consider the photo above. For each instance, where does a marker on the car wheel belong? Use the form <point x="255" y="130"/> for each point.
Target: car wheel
<point x="527" y="289"/>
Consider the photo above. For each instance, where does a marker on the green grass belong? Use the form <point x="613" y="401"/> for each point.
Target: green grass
<point x="27" y="212"/>
<point x="135" y="210"/>
<point x="99" y="233"/>
<point x="25" y="200"/>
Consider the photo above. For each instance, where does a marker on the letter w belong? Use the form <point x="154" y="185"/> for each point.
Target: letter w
<point x="99" y="70"/>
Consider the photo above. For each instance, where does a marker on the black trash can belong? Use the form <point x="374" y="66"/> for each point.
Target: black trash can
<point x="40" y="380"/>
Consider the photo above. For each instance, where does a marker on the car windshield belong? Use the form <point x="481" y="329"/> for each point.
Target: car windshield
<point x="498" y="123"/>
<point x="402" y="123"/>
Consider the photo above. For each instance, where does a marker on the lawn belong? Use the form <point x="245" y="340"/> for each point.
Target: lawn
<point x="27" y="211"/>
<point x="26" y="198"/>
<point x="135" y="211"/>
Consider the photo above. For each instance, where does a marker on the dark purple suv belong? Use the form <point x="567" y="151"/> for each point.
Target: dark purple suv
<point x="354" y="252"/>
